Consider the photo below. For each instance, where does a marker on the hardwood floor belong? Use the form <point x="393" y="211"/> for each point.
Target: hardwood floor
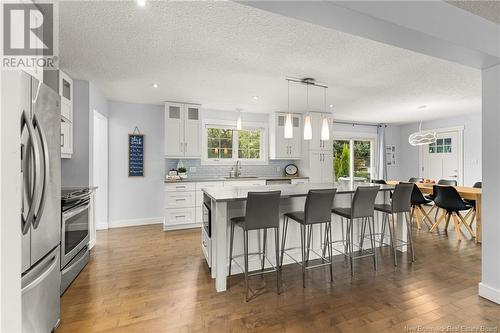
<point x="141" y="279"/>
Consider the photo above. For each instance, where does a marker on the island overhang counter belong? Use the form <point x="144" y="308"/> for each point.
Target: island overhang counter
<point x="227" y="202"/>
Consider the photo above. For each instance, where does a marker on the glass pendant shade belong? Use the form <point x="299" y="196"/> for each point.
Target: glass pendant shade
<point x="421" y="138"/>
<point x="307" y="128"/>
<point x="325" y="130"/>
<point x="288" y="126"/>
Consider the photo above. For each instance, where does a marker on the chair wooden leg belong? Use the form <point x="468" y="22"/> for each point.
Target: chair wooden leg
<point x="468" y="227"/>
<point x="435" y="225"/>
<point x="426" y="217"/>
<point x="457" y="226"/>
<point x="447" y="223"/>
<point x="416" y="215"/>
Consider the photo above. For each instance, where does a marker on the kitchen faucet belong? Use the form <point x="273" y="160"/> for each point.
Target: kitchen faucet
<point x="238" y="168"/>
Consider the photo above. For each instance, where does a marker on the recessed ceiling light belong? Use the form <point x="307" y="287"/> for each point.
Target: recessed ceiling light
<point x="141" y="3"/>
<point x="422" y="106"/>
<point x="331" y="105"/>
<point x="255" y="97"/>
<point x="155" y="85"/>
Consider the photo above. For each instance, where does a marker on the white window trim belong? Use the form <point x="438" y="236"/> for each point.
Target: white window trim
<point x="263" y="160"/>
<point x="360" y="136"/>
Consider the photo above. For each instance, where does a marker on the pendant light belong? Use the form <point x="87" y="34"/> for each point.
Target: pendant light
<point x="421" y="138"/>
<point x="288" y="119"/>
<point x="325" y="127"/>
<point x="238" y="121"/>
<point x="307" y="119"/>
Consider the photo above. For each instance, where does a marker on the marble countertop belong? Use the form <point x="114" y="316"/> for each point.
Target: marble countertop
<point x="287" y="190"/>
<point x="222" y="178"/>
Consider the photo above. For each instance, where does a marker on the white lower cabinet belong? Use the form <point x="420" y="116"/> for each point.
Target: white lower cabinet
<point x="299" y="181"/>
<point x="206" y="246"/>
<point x="180" y="206"/>
<point x="179" y="218"/>
<point x="256" y="182"/>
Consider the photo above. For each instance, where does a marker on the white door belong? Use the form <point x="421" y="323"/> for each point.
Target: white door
<point x="192" y="130"/>
<point x="100" y="172"/>
<point x="174" y="130"/>
<point x="442" y="159"/>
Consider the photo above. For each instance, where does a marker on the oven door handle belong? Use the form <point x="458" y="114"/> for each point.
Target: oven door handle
<point x="72" y="213"/>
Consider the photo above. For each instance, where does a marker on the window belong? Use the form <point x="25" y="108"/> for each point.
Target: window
<point x="352" y="159"/>
<point x="223" y="144"/>
<point x="220" y="143"/>
<point x="440" y="146"/>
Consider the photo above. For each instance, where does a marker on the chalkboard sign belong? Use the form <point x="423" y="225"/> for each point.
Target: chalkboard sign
<point x="136" y="155"/>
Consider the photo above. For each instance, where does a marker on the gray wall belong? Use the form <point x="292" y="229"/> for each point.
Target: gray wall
<point x="99" y="103"/>
<point x="75" y="170"/>
<point x="136" y="197"/>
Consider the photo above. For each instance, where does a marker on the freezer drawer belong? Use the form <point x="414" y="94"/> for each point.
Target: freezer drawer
<point x="40" y="294"/>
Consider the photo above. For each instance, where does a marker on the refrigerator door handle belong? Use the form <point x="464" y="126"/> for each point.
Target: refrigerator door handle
<point x="49" y="267"/>
<point x="46" y="175"/>
<point x="32" y="144"/>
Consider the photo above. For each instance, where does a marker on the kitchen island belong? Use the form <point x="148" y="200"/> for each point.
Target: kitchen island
<point x="225" y="203"/>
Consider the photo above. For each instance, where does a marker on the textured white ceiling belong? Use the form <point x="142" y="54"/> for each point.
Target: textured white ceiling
<point x="220" y="54"/>
<point x="489" y="10"/>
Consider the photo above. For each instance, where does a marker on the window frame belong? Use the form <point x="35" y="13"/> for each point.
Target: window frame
<point x="226" y="124"/>
<point x="359" y="136"/>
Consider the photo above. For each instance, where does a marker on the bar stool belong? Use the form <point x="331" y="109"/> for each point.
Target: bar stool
<point x="401" y="203"/>
<point x="316" y="211"/>
<point x="262" y="213"/>
<point x="417" y="202"/>
<point x="362" y="207"/>
<point x="448" y="199"/>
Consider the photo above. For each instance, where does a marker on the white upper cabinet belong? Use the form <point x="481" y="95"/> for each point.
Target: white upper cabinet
<point x="279" y="147"/>
<point x="66" y="93"/>
<point x="182" y="130"/>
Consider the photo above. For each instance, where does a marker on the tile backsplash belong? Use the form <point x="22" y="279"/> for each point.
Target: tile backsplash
<point x="273" y="168"/>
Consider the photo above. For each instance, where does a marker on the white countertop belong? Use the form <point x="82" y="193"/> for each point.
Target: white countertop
<point x="228" y="179"/>
<point x="287" y="190"/>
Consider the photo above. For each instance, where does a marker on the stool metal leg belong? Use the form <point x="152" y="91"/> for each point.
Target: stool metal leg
<point x="392" y="235"/>
<point x="264" y="243"/>
<point x="410" y="236"/>
<point x="382" y="232"/>
<point x="362" y="235"/>
<point x="351" y="247"/>
<point x="330" y="249"/>
<point x="372" y="240"/>
<point x="308" y="242"/>
<point x="278" y="266"/>
<point x="245" y="241"/>
<point x="302" y="245"/>
<point x="283" y="239"/>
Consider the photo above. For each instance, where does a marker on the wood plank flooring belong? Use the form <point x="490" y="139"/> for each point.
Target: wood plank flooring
<point x="141" y="279"/>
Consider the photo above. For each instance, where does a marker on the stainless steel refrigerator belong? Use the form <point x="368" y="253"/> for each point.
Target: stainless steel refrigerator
<point x="40" y="219"/>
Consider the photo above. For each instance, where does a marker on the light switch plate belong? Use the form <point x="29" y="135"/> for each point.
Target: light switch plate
<point x="192" y="169"/>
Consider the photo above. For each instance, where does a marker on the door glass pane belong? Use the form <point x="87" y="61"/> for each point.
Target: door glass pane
<point x="362" y="160"/>
<point x="174" y="112"/>
<point x="76" y="229"/>
<point x="193" y="113"/>
<point x="66" y="89"/>
<point x="249" y="144"/>
<point x="341" y="159"/>
<point x="219" y="143"/>
<point x="281" y="120"/>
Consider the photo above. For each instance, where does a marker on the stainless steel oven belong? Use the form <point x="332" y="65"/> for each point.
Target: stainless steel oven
<point x="75" y="234"/>
<point x="207" y="216"/>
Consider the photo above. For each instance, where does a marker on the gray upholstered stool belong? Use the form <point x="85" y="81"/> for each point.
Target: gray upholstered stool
<point x="317" y="210"/>
<point x="362" y="208"/>
<point x="401" y="203"/>
<point x="262" y="213"/>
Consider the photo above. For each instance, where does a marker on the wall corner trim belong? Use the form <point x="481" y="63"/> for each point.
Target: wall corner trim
<point x="489" y="293"/>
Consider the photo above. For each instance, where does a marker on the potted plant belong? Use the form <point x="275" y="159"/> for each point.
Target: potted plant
<point x="181" y="171"/>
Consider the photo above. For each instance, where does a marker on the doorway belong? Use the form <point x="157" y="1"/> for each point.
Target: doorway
<point x="100" y="171"/>
<point x="444" y="158"/>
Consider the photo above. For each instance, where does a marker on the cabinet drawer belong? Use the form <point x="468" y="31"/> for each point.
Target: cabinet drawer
<point x="177" y="187"/>
<point x="179" y="216"/>
<point x="179" y="199"/>
<point x="202" y="185"/>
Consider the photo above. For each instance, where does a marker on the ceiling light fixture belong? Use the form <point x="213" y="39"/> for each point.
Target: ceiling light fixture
<point x="307" y="119"/>
<point x="421" y="138"/>
<point x="155" y="85"/>
<point x="255" y="97"/>
<point x="238" y="121"/>
<point x="141" y="3"/>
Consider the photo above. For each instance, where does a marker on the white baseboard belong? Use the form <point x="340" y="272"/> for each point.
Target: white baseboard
<point x="103" y="225"/>
<point x="135" y="222"/>
<point x="181" y="226"/>
<point x="91" y="244"/>
<point x="489" y="293"/>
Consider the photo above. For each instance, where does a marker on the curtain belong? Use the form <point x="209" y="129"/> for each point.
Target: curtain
<point x="381" y="163"/>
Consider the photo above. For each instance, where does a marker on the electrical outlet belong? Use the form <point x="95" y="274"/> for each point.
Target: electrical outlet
<point x="192" y="169"/>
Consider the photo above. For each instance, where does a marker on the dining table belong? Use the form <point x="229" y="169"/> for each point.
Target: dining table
<point x="465" y="192"/>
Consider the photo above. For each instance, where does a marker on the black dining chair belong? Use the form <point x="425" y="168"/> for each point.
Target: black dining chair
<point x="262" y="213"/>
<point x="448" y="199"/>
<point x="471" y="214"/>
<point x="447" y="182"/>
<point x="418" y="201"/>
